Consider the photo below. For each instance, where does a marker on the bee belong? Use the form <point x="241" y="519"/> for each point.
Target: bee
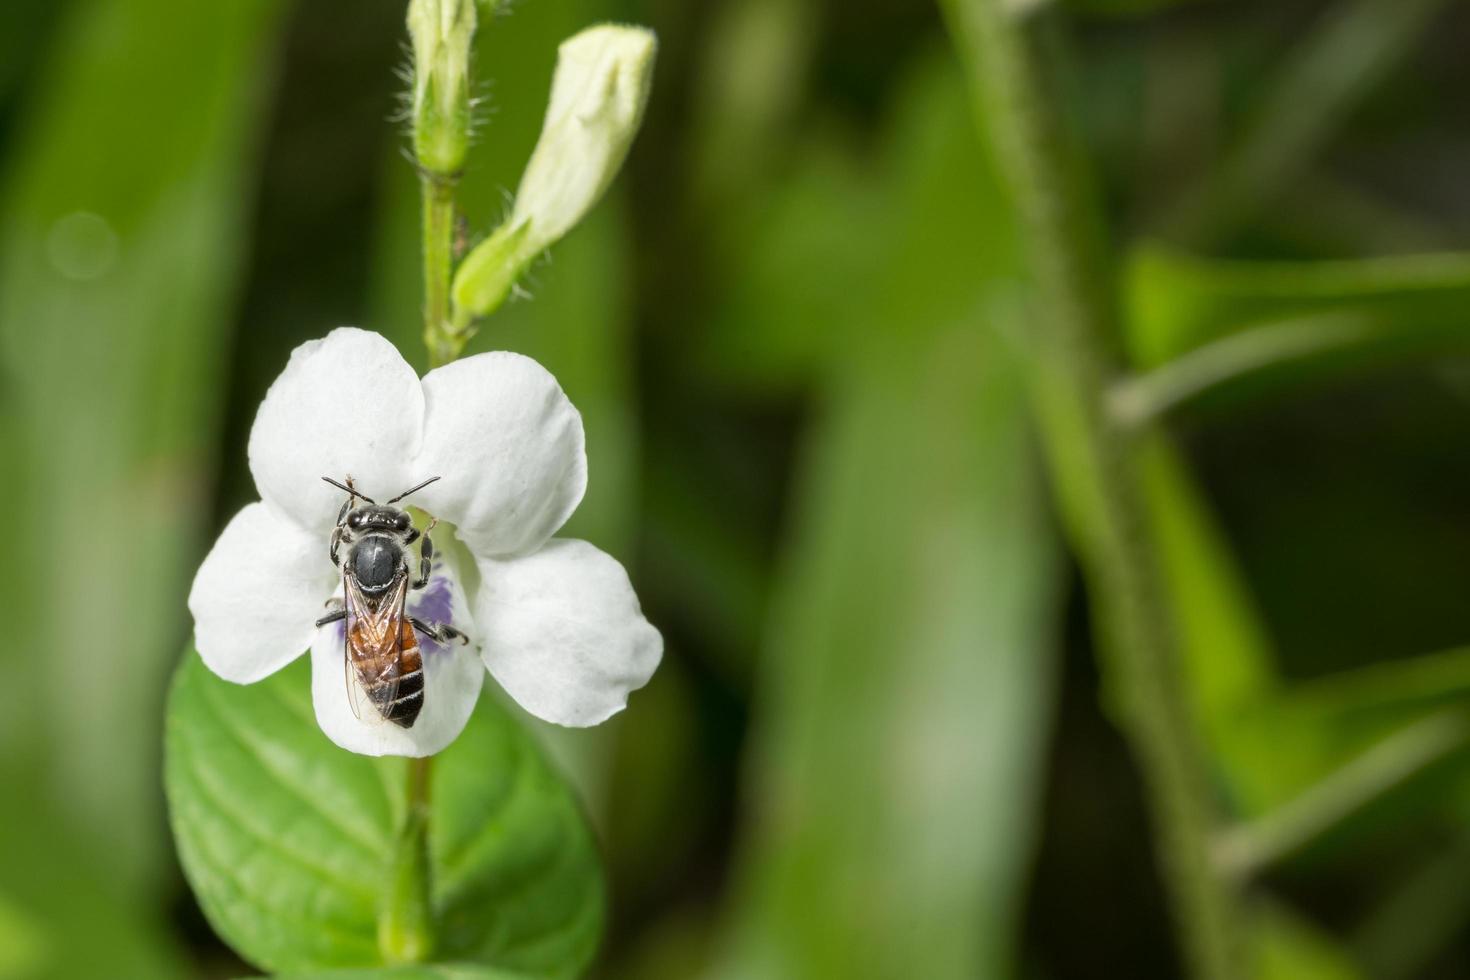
<point x="381" y="651"/>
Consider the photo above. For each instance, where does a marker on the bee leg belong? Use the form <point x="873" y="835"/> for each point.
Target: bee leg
<point x="426" y="558"/>
<point x="439" y="632"/>
<point x="339" y="537"/>
<point x="336" y="615"/>
<point x="339" y="532"/>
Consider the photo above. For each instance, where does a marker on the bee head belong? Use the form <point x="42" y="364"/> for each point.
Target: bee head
<point x="379" y="517"/>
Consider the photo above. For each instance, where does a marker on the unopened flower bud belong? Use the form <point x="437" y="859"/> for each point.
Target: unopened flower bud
<point x="597" y="99"/>
<point x="442" y="32"/>
<point x="598" y="93"/>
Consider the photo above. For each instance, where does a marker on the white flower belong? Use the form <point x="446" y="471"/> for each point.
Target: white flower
<point x="554" y="620"/>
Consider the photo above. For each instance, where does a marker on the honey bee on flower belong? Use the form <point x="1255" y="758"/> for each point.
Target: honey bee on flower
<point x="554" y="620"/>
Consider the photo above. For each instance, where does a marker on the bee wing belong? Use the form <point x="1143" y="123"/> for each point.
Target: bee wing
<point x="374" y="641"/>
<point x="356" y="609"/>
<point x="348" y="681"/>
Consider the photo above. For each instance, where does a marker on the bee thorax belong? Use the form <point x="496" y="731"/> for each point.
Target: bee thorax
<point x="374" y="561"/>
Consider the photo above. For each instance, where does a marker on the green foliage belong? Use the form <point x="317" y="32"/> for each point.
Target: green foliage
<point x="1304" y="103"/>
<point x="812" y="296"/>
<point x="288" y="841"/>
<point x="1272" y="740"/>
<point x="1244" y="327"/>
<point x="122" y="211"/>
<point x="907" y="659"/>
<point x="445" y="971"/>
<point x="1289" y="948"/>
<point x="1178" y="303"/>
<point x="116" y="280"/>
<point x="61" y="915"/>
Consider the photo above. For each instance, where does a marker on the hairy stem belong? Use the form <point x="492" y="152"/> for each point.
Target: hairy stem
<point x="1094" y="469"/>
<point x="443" y="341"/>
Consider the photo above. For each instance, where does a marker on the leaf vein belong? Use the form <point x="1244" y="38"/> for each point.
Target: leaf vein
<point x="236" y="816"/>
<point x="239" y="734"/>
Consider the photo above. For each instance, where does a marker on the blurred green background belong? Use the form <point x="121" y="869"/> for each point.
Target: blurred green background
<point x="878" y="745"/>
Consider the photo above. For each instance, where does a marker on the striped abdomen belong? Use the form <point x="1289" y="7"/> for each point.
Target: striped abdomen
<point x="390" y="670"/>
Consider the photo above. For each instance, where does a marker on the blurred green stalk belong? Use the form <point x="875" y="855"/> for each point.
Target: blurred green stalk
<point x="1095" y="471"/>
<point x="406" y="918"/>
<point x="1247" y="848"/>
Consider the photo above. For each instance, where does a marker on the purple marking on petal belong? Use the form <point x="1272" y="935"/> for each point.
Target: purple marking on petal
<point x="340" y="628"/>
<point x="435" y="604"/>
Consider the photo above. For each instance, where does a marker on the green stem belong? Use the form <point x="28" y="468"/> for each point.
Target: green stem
<point x="405" y="916"/>
<point x="1245" y="850"/>
<point x="1147" y="397"/>
<point x="1094" y="470"/>
<point x="419" y="771"/>
<point x="1428" y="677"/>
<point x="443" y="341"/>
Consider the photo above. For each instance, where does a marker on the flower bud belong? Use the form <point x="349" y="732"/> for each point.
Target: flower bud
<point x="442" y="32"/>
<point x="597" y="98"/>
<point x="598" y="93"/>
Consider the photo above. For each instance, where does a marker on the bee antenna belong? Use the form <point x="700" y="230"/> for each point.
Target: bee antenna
<point x="343" y="486"/>
<point x="413" y="489"/>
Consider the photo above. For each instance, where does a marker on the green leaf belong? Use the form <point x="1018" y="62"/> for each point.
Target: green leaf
<point x="437" y="971"/>
<point x="1179" y="303"/>
<point x="905" y="680"/>
<point x="1229" y="664"/>
<point x="1298" y="763"/>
<point x="288" y="839"/>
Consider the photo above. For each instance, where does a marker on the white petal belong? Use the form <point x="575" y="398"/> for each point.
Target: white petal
<point x="257" y="595"/>
<point x="452" y="678"/>
<point x="346" y="405"/>
<point x="509" y="447"/>
<point x="563" y="634"/>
